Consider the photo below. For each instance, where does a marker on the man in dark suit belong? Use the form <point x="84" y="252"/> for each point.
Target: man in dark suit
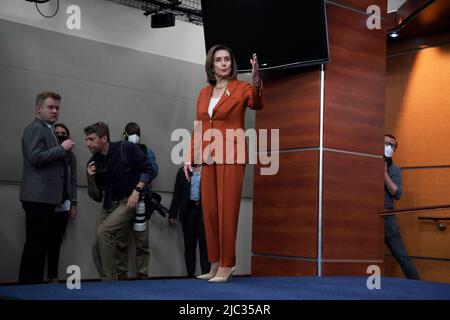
<point x="43" y="183"/>
<point x="186" y="203"/>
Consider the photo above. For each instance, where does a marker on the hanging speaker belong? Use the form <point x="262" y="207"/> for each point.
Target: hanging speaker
<point x="163" y="20"/>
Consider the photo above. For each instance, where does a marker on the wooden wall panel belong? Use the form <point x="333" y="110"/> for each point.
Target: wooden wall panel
<point x="418" y="106"/>
<point x="429" y="270"/>
<point x="425" y="187"/>
<point x="422" y="238"/>
<point x="354" y="82"/>
<point x="401" y="46"/>
<point x="268" y="266"/>
<point x="352" y="198"/>
<point x="348" y="268"/>
<point x="418" y="114"/>
<point x="285" y="207"/>
<point x="292" y="104"/>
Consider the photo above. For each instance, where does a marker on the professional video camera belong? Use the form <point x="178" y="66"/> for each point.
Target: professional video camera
<point x="153" y="203"/>
<point x="147" y="204"/>
<point x="140" y="217"/>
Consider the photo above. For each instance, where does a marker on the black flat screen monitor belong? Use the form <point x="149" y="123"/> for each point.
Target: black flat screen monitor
<point x="283" y="33"/>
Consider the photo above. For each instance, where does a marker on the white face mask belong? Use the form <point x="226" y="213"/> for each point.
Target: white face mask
<point x="388" y="151"/>
<point x="133" y="138"/>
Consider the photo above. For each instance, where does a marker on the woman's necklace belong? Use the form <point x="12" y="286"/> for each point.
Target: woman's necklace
<point x="220" y="88"/>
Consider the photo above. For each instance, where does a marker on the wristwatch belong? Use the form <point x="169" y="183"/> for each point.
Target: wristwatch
<point x="138" y="189"/>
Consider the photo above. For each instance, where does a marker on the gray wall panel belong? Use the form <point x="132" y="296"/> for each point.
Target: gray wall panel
<point x="166" y="241"/>
<point x="67" y="56"/>
<point x="116" y="106"/>
<point x="97" y="82"/>
<point x="76" y="247"/>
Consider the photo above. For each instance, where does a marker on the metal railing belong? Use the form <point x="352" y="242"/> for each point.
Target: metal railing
<point x="440" y="225"/>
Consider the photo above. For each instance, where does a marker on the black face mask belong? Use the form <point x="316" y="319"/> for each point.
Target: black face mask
<point x="61" y="139"/>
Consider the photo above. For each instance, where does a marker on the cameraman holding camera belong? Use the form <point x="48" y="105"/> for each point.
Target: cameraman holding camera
<point x="117" y="174"/>
<point x="132" y="133"/>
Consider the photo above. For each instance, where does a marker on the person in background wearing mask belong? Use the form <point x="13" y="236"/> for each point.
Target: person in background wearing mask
<point x="64" y="211"/>
<point x="132" y="133"/>
<point x="42" y="183"/>
<point x="393" y="190"/>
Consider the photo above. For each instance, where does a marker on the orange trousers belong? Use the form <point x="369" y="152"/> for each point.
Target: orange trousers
<point x="221" y="188"/>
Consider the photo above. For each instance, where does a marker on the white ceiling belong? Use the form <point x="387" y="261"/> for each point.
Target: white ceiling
<point x="393" y="5"/>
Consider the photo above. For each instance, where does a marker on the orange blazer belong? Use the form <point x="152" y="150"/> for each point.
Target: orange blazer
<point x="210" y="135"/>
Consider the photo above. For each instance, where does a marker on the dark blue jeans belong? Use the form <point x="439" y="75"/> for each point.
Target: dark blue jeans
<point x="394" y="241"/>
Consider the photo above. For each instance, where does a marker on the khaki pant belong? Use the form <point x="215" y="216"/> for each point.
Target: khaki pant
<point x="142" y="257"/>
<point x="106" y="229"/>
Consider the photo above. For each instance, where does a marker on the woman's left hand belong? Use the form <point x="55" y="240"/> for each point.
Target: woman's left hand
<point x="255" y="71"/>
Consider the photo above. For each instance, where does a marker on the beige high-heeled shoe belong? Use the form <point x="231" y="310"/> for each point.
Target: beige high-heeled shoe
<point x="211" y="274"/>
<point x="223" y="279"/>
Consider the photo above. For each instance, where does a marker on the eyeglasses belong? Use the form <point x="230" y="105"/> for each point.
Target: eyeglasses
<point x="393" y="145"/>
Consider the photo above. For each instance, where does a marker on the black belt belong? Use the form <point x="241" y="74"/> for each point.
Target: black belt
<point x="195" y="202"/>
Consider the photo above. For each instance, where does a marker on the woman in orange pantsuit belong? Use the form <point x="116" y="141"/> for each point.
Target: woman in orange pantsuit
<point x="220" y="147"/>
